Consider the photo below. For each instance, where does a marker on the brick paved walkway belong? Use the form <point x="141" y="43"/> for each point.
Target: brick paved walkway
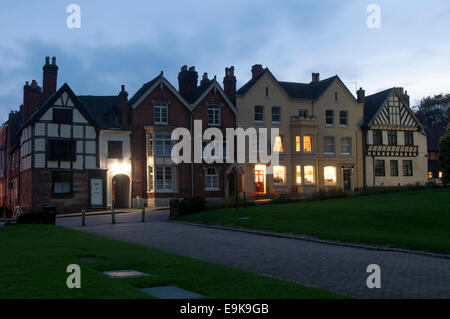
<point x="334" y="268"/>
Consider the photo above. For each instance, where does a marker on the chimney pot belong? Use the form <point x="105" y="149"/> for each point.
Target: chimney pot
<point x="54" y="60"/>
<point x="47" y="60"/>
<point x="361" y="95"/>
<point x="50" y="79"/>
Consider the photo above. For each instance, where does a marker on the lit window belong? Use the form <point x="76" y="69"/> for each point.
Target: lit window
<point x="328" y="145"/>
<point x="307" y="143"/>
<point x="309" y="174"/>
<point x="297" y="144"/>
<point x="343" y="118"/>
<point x="346" y="145"/>
<point x="164" y="178"/>
<point x="329" y="175"/>
<point x="329" y="117"/>
<point x="440" y="174"/>
<point x="276" y="111"/>
<point x="150" y="144"/>
<point x="279" y="174"/>
<point x="160" y="113"/>
<point x="259" y="113"/>
<point x="298" y="174"/>
<point x="212" y="179"/>
<point x="213" y="115"/>
<point x="278" y="145"/>
<point x="430" y="174"/>
<point x="150" y="178"/>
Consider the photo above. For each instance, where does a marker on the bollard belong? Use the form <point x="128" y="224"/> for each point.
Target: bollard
<point x="83" y="217"/>
<point x="113" y="215"/>
<point x="143" y="214"/>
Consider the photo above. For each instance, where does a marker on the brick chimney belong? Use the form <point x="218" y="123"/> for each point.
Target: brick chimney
<point x="229" y="82"/>
<point x="257" y="69"/>
<point x="361" y="95"/>
<point x="315" y="77"/>
<point x="50" y="75"/>
<point x="32" y="99"/>
<point x="205" y="81"/>
<point x="123" y="105"/>
<point x="187" y="82"/>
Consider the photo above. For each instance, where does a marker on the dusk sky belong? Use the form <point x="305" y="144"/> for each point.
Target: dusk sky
<point x="130" y="42"/>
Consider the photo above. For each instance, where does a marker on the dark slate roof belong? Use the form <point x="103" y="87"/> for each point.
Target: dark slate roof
<point x="433" y="136"/>
<point x="142" y="90"/>
<point x="103" y="109"/>
<point x="307" y="91"/>
<point x="247" y="86"/>
<point x="374" y="102"/>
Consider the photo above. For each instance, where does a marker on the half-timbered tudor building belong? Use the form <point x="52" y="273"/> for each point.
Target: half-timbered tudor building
<point x="395" y="141"/>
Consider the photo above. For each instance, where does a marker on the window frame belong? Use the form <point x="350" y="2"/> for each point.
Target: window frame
<point x="379" y="170"/>
<point x="71" y="154"/>
<point x="259" y="113"/>
<point x="111" y="154"/>
<point x="62" y="119"/>
<point x="331" y="138"/>
<point x="68" y="174"/>
<point x="281" y="175"/>
<point x="345" y="118"/>
<point x="377" y="137"/>
<point x="279" y="114"/>
<point x="392" y="138"/>
<point x="166" y="137"/>
<point x="313" y="182"/>
<point x="409" y="138"/>
<point x="349" y="145"/>
<point x="216" y="114"/>
<point x="393" y="168"/>
<point x="408" y="169"/>
<point x="210" y="179"/>
<point x="164" y="169"/>
<point x="310" y="143"/>
<point x="328" y="117"/>
<point x="161" y="106"/>
<point x="334" y="183"/>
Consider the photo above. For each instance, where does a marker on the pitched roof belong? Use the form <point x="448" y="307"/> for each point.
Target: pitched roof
<point x="374" y="102"/>
<point x="203" y="90"/>
<point x="142" y="90"/>
<point x="296" y="90"/>
<point x="103" y="109"/>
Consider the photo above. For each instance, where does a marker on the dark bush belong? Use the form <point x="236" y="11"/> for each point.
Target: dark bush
<point x="191" y="205"/>
<point x="37" y="217"/>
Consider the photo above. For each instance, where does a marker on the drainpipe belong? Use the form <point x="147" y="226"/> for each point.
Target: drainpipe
<point x="192" y="156"/>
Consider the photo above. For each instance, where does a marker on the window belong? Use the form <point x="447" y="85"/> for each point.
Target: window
<point x="278" y="144"/>
<point x="267" y="91"/>
<point x="394" y="112"/>
<point x="328" y="145"/>
<point x="346" y="145"/>
<point x="298" y="174"/>
<point x="430" y="174"/>
<point x="62" y="182"/>
<point x="214" y="115"/>
<point x="259" y="113"/>
<point x="163" y="145"/>
<point x="150" y="144"/>
<point x="379" y="168"/>
<point x="160" y="113"/>
<point x="392" y="137"/>
<point x="329" y="117"/>
<point x="377" y="137"/>
<point x="336" y="97"/>
<point x="329" y="175"/>
<point x="115" y="149"/>
<point x="409" y="138"/>
<point x="62" y="115"/>
<point x="309" y="174"/>
<point x="343" y="118"/>
<point x="298" y="145"/>
<point x="440" y="174"/>
<point x="394" y="167"/>
<point x="303" y="113"/>
<point x="164" y="178"/>
<point x="212" y="179"/>
<point x="407" y="168"/>
<point x="61" y="150"/>
<point x="276" y="112"/>
<point x="150" y="178"/>
<point x="307" y="143"/>
<point x="279" y="174"/>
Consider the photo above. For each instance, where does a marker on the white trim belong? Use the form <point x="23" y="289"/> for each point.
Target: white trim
<point x="215" y="85"/>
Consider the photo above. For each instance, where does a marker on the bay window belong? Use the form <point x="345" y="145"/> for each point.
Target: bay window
<point x="308" y="171"/>
<point x="278" y="144"/>
<point x="298" y="174"/>
<point x="163" y="178"/>
<point x="307" y="143"/>
<point x="279" y="174"/>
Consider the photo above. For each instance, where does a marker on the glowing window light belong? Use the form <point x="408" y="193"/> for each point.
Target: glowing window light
<point x="329" y="173"/>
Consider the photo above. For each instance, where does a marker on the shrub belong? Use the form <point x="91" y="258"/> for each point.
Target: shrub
<point x="37" y="217"/>
<point x="191" y="205"/>
<point x="230" y="202"/>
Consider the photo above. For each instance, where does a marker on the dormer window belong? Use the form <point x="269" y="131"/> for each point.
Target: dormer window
<point x="161" y="113"/>
<point x="214" y="115"/>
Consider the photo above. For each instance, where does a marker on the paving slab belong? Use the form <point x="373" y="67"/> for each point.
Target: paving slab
<point x="124" y="273"/>
<point x="171" y="292"/>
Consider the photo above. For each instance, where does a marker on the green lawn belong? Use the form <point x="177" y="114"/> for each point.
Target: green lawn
<point x="34" y="258"/>
<point x="413" y="219"/>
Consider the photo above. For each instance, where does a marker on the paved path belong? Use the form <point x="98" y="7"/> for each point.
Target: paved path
<point x="334" y="268"/>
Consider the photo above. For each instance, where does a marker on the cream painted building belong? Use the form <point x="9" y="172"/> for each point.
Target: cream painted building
<point x="396" y="143"/>
<point x="320" y="139"/>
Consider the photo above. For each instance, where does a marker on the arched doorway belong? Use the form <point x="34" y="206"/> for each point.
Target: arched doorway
<point x="120" y="191"/>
